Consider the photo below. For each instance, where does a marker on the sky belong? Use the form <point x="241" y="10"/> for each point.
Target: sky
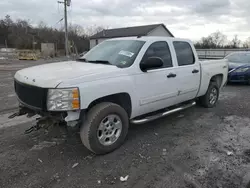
<point x="190" y="19"/>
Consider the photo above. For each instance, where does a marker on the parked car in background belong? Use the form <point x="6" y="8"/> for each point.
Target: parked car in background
<point x="239" y="67"/>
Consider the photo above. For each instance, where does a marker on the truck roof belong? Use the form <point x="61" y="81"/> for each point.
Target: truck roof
<point x="152" y="38"/>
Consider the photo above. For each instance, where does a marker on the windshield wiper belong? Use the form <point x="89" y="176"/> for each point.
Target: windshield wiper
<point x="82" y="60"/>
<point x="95" y="61"/>
<point x="100" y="61"/>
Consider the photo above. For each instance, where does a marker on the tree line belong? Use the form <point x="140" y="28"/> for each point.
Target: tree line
<point x="219" y="40"/>
<point x="21" y="34"/>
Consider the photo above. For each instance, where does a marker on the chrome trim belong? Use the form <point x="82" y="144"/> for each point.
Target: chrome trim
<point x="231" y="70"/>
<point x="160" y="69"/>
<point x="154" y="117"/>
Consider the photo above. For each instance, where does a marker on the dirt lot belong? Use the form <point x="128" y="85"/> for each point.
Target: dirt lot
<point x="196" y="148"/>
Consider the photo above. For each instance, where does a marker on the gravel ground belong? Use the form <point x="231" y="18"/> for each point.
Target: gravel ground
<point x="196" y="148"/>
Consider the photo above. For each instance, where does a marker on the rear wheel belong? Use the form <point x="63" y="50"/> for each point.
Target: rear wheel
<point x="211" y="97"/>
<point x="105" y="128"/>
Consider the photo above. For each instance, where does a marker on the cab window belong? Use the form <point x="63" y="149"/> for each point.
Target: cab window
<point x="184" y="53"/>
<point x="159" y="49"/>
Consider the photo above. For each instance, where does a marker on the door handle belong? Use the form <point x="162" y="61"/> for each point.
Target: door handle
<point x="195" y="71"/>
<point x="171" y="75"/>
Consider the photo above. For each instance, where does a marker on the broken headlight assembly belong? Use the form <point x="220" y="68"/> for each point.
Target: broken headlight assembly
<point x="63" y="99"/>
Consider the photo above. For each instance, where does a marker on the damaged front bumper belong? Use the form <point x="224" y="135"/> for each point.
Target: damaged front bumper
<point x="72" y="119"/>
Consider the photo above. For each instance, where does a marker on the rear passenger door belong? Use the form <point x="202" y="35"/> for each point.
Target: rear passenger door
<point x="188" y="71"/>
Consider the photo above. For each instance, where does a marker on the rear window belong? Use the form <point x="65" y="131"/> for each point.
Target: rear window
<point x="184" y="53"/>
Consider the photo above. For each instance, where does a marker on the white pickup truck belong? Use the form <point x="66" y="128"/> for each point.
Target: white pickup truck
<point x="118" y="82"/>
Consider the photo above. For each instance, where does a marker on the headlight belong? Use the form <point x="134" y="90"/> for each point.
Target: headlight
<point x="63" y="99"/>
<point x="243" y="69"/>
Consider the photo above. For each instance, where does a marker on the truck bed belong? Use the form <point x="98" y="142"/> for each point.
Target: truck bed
<point x="209" y="68"/>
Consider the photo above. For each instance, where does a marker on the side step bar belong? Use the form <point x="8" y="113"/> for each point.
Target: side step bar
<point x="153" y="117"/>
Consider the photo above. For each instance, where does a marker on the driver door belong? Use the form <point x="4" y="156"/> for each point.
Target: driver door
<point x="156" y="88"/>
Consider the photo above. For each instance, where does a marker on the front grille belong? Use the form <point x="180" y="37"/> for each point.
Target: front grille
<point x="31" y="95"/>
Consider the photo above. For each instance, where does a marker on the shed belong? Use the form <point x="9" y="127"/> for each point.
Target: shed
<point x="145" y="30"/>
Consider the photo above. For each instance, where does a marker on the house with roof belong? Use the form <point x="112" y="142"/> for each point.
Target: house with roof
<point x="145" y="30"/>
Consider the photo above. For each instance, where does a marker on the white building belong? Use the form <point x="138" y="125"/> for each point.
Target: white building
<point x="146" y="30"/>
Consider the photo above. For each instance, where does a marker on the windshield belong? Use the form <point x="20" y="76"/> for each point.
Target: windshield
<point x="239" y="57"/>
<point x="120" y="53"/>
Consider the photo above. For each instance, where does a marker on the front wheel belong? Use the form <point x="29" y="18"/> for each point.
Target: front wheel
<point x="248" y="81"/>
<point x="211" y="97"/>
<point x="105" y="128"/>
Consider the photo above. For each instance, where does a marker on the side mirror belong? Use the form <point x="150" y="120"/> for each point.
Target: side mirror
<point x="151" y="63"/>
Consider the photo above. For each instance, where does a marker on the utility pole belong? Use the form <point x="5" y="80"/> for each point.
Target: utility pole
<point x="66" y="28"/>
<point x="66" y="3"/>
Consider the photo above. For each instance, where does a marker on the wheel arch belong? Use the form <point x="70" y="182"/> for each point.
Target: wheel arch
<point x="207" y="80"/>
<point x="123" y="99"/>
<point x="218" y="78"/>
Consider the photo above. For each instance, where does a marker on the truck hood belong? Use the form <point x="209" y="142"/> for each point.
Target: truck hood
<point x="52" y="74"/>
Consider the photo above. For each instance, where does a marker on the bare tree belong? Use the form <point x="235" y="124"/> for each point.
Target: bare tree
<point x="214" y="40"/>
<point x="21" y="34"/>
<point x="76" y="29"/>
<point x="235" y="42"/>
<point x="89" y="31"/>
<point x="218" y="39"/>
<point x="42" y="25"/>
<point x="8" y="21"/>
<point x="246" y="44"/>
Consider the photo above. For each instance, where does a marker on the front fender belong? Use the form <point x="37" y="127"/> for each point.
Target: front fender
<point x="92" y="90"/>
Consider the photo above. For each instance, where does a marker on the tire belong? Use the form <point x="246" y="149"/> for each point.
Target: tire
<point x="205" y="100"/>
<point x="248" y="81"/>
<point x="93" y="135"/>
